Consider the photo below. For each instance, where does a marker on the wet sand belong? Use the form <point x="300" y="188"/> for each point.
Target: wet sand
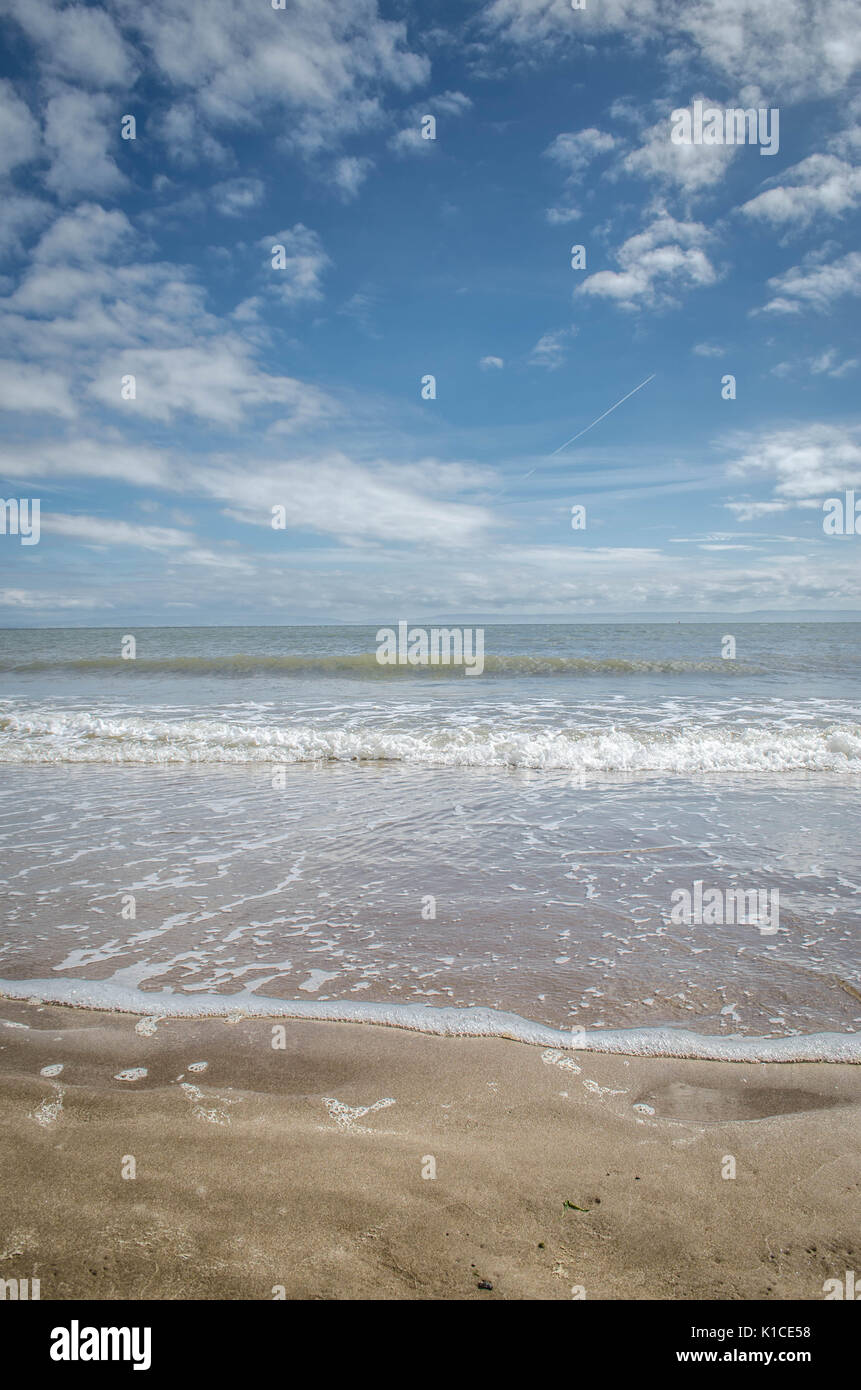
<point x="301" y="1168"/>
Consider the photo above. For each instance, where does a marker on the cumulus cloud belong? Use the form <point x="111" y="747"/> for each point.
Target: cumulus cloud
<point x="820" y="186"/>
<point x="84" y="290"/>
<point x="87" y="315"/>
<point x="19" y="131"/>
<point x="304" y="263"/>
<point x="85" y="235"/>
<point x="409" y="139"/>
<point x="20" y="215"/>
<point x="805" y="462"/>
<point x="319" y="65"/>
<point x="348" y="175"/>
<point x="237" y="197"/>
<point x="450" y="104"/>
<point x="689" y="169"/>
<point x="558" y="216"/>
<point x="574" y="151"/>
<point x="77" y="42"/>
<point x="775" y="45"/>
<point x="665" y="258"/>
<point x="815" y="286"/>
<point x="80" y="128"/>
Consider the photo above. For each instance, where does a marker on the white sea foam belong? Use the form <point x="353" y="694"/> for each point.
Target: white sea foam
<point x="447" y="1022"/>
<point x="56" y="736"/>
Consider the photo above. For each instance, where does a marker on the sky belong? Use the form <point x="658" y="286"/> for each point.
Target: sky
<point x="298" y="378"/>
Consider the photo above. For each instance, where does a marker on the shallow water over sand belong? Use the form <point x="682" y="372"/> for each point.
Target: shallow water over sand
<point x="530" y="892"/>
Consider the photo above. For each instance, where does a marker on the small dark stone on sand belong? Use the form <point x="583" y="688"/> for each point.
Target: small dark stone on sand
<point x="484" y="1284"/>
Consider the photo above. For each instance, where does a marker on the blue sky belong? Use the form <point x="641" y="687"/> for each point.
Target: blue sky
<point x="257" y="387"/>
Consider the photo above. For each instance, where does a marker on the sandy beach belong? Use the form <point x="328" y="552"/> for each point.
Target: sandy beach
<point x="297" y="1171"/>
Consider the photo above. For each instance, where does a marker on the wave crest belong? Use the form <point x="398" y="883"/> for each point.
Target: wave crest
<point x="76" y="737"/>
<point x="364" y="666"/>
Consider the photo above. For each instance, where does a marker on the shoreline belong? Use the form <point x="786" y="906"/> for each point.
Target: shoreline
<point x="304" y="1167"/>
<point x="448" y="1021"/>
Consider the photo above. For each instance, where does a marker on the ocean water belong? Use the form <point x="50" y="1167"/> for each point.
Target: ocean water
<point x="296" y="827"/>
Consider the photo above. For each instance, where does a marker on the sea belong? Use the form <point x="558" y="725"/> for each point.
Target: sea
<point x="269" y="820"/>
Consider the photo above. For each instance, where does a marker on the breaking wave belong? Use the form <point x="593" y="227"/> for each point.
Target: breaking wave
<point x="79" y="737"/>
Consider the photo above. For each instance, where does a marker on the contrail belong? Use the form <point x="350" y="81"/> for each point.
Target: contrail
<point x="602" y="417"/>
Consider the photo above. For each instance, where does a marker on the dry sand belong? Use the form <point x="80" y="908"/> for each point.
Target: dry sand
<point x="281" y="1169"/>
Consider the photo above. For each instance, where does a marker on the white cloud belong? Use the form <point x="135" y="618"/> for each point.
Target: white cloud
<point x="807" y="461"/>
<point x="236" y="197"/>
<point x="348" y="175"/>
<point x="688" y="168"/>
<point x="829" y="364"/>
<point x="666" y="257"/>
<point x="77" y="42"/>
<point x="549" y="351"/>
<point x="449" y="103"/>
<point x="108" y="531"/>
<point x="709" y="350"/>
<point x="319" y="67"/>
<point x="85" y="235"/>
<point x="217" y="382"/>
<point x="574" y="151"/>
<point x="820" y="186"/>
<point x="45" y="602"/>
<point x="20" y="214"/>
<point x="489" y="363"/>
<point x="31" y="388"/>
<point x="87" y="314"/>
<point x="825" y="363"/>
<point x="814" y="286"/>
<point x="108" y="457"/>
<point x="305" y="262"/>
<point x="557" y="216"/>
<point x="19" y="131"/>
<point x="409" y="139"/>
<point x="752" y="511"/>
<point x="426" y="503"/>
<point x="531" y="22"/>
<point x="780" y="46"/>
<point x="185" y="133"/>
<point x="80" y="128"/>
<point x="334" y="495"/>
<point x="84" y="291"/>
<point x="182" y="546"/>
